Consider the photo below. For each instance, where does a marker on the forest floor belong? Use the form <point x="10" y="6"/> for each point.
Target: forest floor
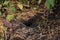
<point x="29" y="24"/>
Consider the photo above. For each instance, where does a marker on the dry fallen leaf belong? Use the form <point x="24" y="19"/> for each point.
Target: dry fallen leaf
<point x="20" y="6"/>
<point x="1" y="30"/>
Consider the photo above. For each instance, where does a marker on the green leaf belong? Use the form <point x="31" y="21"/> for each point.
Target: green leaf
<point x="25" y="1"/>
<point x="9" y="17"/>
<point x="52" y="2"/>
<point x="1" y="0"/>
<point x="49" y="4"/>
<point x="39" y="1"/>
<point x="12" y="8"/>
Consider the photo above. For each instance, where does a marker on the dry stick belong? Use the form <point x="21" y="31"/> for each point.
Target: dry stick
<point x="5" y="35"/>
